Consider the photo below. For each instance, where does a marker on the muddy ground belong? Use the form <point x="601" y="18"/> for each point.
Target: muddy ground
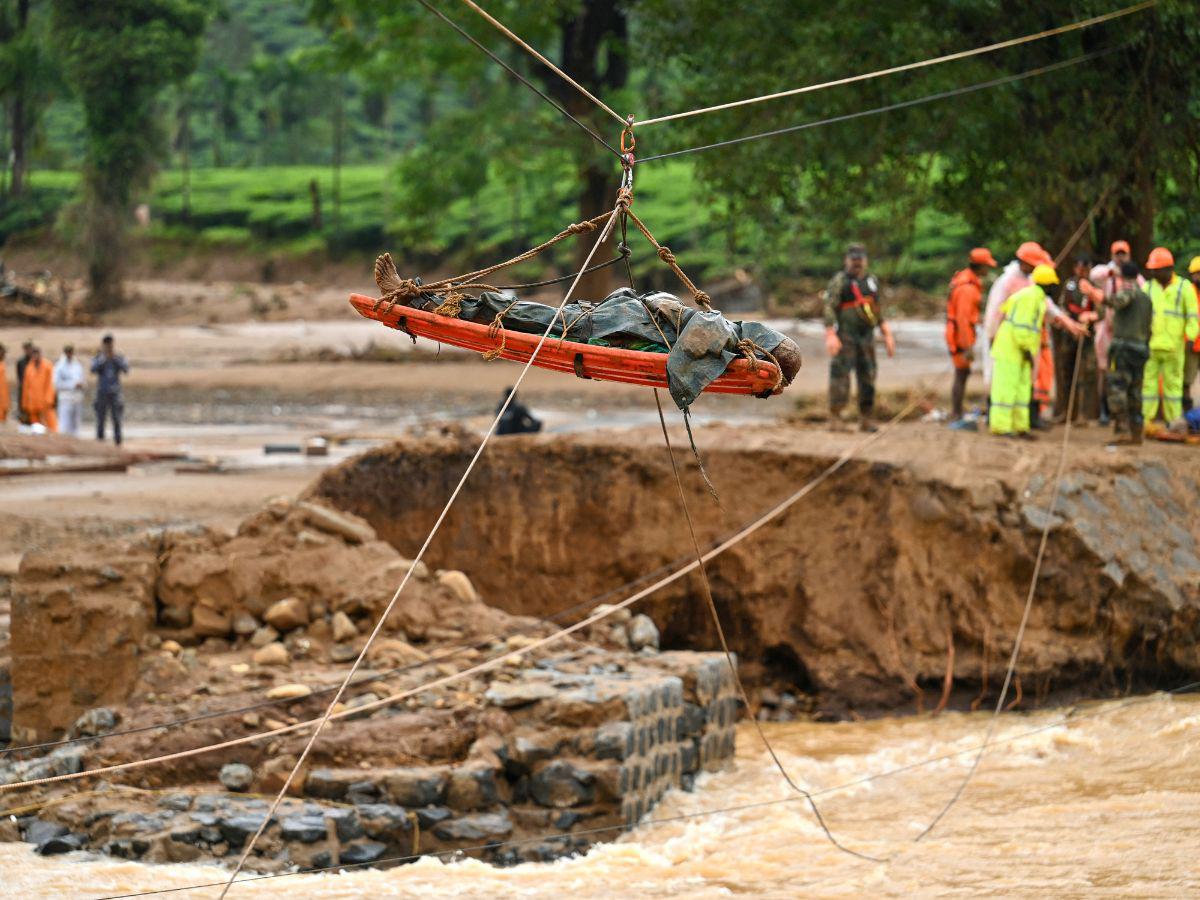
<point x="229" y="367"/>
<point x="895" y="587"/>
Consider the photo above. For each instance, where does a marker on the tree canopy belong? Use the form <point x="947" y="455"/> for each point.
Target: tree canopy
<point x="1114" y="114"/>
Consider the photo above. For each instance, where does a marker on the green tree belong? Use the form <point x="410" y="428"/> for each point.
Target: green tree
<point x="27" y="79"/>
<point x="1024" y="160"/>
<point x="120" y="55"/>
<point x="475" y="114"/>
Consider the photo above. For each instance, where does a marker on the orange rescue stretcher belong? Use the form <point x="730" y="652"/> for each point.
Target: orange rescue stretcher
<point x="759" y="378"/>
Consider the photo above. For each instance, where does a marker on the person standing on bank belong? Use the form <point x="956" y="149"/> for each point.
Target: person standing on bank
<point x="1082" y="301"/>
<point x="1191" y="359"/>
<point x="68" y="387"/>
<point x="962" y="317"/>
<point x="4" y="397"/>
<point x="1174" y="325"/>
<point x="1017" y="344"/>
<point x="852" y="313"/>
<point x="1132" y="314"/>
<point x="108" y="366"/>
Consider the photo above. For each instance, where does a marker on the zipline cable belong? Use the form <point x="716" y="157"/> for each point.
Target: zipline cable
<point x="907" y="67"/>
<point x="525" y="81"/>
<point x="551" y="66"/>
<point x="929" y="98"/>
<point x="420" y="553"/>
<point x="1070" y="718"/>
<point x="1042" y="543"/>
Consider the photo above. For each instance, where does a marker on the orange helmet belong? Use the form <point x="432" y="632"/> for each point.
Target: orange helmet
<point x="1031" y="253"/>
<point x="1160" y="258"/>
<point x="982" y="256"/>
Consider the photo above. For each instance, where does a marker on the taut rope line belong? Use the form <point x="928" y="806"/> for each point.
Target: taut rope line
<point x="907" y="67"/>
<point x="891" y="107"/>
<point x="407" y="575"/>
<point x="540" y="58"/>
<point x="737" y="537"/>
<point x="525" y="81"/>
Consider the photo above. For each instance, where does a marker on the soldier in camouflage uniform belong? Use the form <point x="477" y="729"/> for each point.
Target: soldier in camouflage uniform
<point x="852" y="314"/>
<point x="1127" y="355"/>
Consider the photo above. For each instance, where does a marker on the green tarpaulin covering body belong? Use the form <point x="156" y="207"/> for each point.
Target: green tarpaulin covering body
<point x="702" y="343"/>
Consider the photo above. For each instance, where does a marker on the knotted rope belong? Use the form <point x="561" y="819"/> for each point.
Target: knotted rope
<point x="395" y="289"/>
<point x="496" y="330"/>
<point x="749" y="349"/>
<point x="699" y="297"/>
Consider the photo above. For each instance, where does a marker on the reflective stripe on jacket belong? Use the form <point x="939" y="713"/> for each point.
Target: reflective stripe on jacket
<point x="1020" y="330"/>
<point x="1174" y="322"/>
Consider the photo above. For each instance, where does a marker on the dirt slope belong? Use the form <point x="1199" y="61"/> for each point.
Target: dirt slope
<point x="858" y="594"/>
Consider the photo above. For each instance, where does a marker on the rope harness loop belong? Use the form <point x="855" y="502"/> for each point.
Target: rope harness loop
<point x="496" y="330"/>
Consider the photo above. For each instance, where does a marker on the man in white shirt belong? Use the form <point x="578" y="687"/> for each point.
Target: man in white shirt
<point x="68" y="386"/>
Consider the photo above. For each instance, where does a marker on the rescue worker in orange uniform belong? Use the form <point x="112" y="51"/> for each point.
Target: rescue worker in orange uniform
<point x="962" y="315"/>
<point x="37" y="392"/>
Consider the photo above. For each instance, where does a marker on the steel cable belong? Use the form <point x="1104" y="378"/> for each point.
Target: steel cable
<point x="907" y="67"/>
<point x="891" y="107"/>
<point x="525" y="81"/>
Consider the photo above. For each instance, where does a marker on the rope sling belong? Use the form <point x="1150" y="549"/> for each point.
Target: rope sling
<point x="397" y="290"/>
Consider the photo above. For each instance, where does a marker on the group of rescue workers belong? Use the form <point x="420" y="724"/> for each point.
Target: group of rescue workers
<point x="1127" y="346"/>
<point x="50" y="395"/>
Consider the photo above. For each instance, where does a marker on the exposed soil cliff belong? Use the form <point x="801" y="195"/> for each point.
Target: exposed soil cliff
<point x="915" y="556"/>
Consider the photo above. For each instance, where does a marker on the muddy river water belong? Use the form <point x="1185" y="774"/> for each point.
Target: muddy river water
<point x="1097" y="800"/>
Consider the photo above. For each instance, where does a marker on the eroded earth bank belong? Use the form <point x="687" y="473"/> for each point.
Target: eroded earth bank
<point x="895" y="585"/>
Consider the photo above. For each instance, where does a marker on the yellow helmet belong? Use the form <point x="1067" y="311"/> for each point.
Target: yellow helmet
<point x="1194" y="265"/>
<point x="1044" y="275"/>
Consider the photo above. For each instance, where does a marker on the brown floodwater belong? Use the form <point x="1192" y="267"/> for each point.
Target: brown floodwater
<point x="1101" y="800"/>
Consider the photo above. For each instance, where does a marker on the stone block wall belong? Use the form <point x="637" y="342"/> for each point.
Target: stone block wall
<point x="579" y="750"/>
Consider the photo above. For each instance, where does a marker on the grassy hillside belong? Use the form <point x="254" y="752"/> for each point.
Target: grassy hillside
<point x="270" y="209"/>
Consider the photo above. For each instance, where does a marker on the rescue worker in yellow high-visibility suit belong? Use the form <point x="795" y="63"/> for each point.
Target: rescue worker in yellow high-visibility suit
<point x="1018" y="341"/>
<point x="1174" y="323"/>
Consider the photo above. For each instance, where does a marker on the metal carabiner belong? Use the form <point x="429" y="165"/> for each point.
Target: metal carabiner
<point x="627" y="132"/>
